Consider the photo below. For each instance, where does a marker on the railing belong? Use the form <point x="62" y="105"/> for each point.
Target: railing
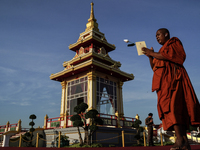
<point x="8" y="127"/>
<point x="2" y="129"/>
<point x="111" y="120"/>
<point x="108" y="120"/>
<point x="127" y="122"/>
<point x="58" y="122"/>
<point x="12" y="127"/>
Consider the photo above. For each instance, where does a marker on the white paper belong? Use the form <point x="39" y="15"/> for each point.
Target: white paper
<point x="139" y="46"/>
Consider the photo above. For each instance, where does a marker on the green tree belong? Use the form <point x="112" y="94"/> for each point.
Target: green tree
<point x="139" y="129"/>
<point x="192" y="128"/>
<point x="28" y="136"/>
<point x="80" y="120"/>
<point x="32" y="129"/>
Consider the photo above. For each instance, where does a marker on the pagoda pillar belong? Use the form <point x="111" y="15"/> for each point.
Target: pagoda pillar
<point x="91" y="90"/>
<point x="120" y="100"/>
<point x="63" y="99"/>
<point x="45" y="122"/>
<point x="19" y="127"/>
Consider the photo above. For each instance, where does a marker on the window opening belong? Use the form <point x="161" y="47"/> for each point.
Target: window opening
<point x="106" y="96"/>
<point x="77" y="93"/>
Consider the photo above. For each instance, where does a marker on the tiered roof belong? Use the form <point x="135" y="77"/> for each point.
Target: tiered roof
<point x="92" y="51"/>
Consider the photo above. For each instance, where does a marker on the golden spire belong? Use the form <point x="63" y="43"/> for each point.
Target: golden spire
<point x="92" y="24"/>
<point x="92" y="13"/>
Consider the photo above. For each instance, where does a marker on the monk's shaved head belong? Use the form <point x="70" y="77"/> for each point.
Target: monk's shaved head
<point x="164" y="30"/>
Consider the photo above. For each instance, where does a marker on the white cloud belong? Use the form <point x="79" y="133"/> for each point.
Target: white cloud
<point x="21" y="103"/>
<point x="7" y="71"/>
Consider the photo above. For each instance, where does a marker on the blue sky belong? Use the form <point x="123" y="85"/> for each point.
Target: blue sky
<point x="34" y="40"/>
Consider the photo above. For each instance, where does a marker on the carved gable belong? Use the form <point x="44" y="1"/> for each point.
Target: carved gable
<point x="81" y="51"/>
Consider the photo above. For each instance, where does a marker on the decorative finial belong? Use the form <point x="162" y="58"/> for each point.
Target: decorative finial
<point x="92" y="13"/>
<point x="92" y="24"/>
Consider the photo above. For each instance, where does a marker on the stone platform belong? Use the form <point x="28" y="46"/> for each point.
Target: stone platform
<point x="104" y="135"/>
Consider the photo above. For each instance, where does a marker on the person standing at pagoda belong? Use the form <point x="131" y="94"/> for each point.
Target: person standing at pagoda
<point x="178" y="106"/>
<point x="150" y="124"/>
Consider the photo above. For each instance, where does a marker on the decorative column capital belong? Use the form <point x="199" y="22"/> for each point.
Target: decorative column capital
<point x="121" y="84"/>
<point x="63" y="83"/>
<point x="92" y="75"/>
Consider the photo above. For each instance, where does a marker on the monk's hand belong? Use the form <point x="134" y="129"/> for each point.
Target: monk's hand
<point x="147" y="51"/>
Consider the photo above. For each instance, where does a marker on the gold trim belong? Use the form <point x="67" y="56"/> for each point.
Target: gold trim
<point x="94" y="62"/>
<point x="92" y="53"/>
<point x="66" y="111"/>
<point x="63" y="98"/>
<point x="63" y="84"/>
<point x="92" y="24"/>
<point x="112" y="46"/>
<point x="8" y="132"/>
<point x="91" y="90"/>
<point x="91" y="32"/>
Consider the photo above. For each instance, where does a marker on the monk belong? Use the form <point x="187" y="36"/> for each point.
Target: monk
<point x="178" y="106"/>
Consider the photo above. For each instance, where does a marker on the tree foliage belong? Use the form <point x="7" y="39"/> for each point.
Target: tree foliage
<point x="139" y="129"/>
<point x="137" y="123"/>
<point x="80" y="120"/>
<point x="81" y="108"/>
<point x="91" y="114"/>
<point x="75" y="117"/>
<point x="32" y="129"/>
<point x="28" y="136"/>
<point x="31" y="123"/>
<point x="78" y="123"/>
<point x="32" y="117"/>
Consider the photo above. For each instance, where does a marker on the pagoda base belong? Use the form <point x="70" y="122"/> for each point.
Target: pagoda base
<point x="107" y="136"/>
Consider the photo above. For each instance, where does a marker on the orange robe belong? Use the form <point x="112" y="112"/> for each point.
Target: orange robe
<point x="177" y="101"/>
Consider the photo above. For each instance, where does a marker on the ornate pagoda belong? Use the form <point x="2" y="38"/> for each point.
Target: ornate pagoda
<point x="92" y="76"/>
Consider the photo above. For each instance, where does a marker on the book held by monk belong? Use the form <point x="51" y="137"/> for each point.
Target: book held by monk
<point x="139" y="46"/>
